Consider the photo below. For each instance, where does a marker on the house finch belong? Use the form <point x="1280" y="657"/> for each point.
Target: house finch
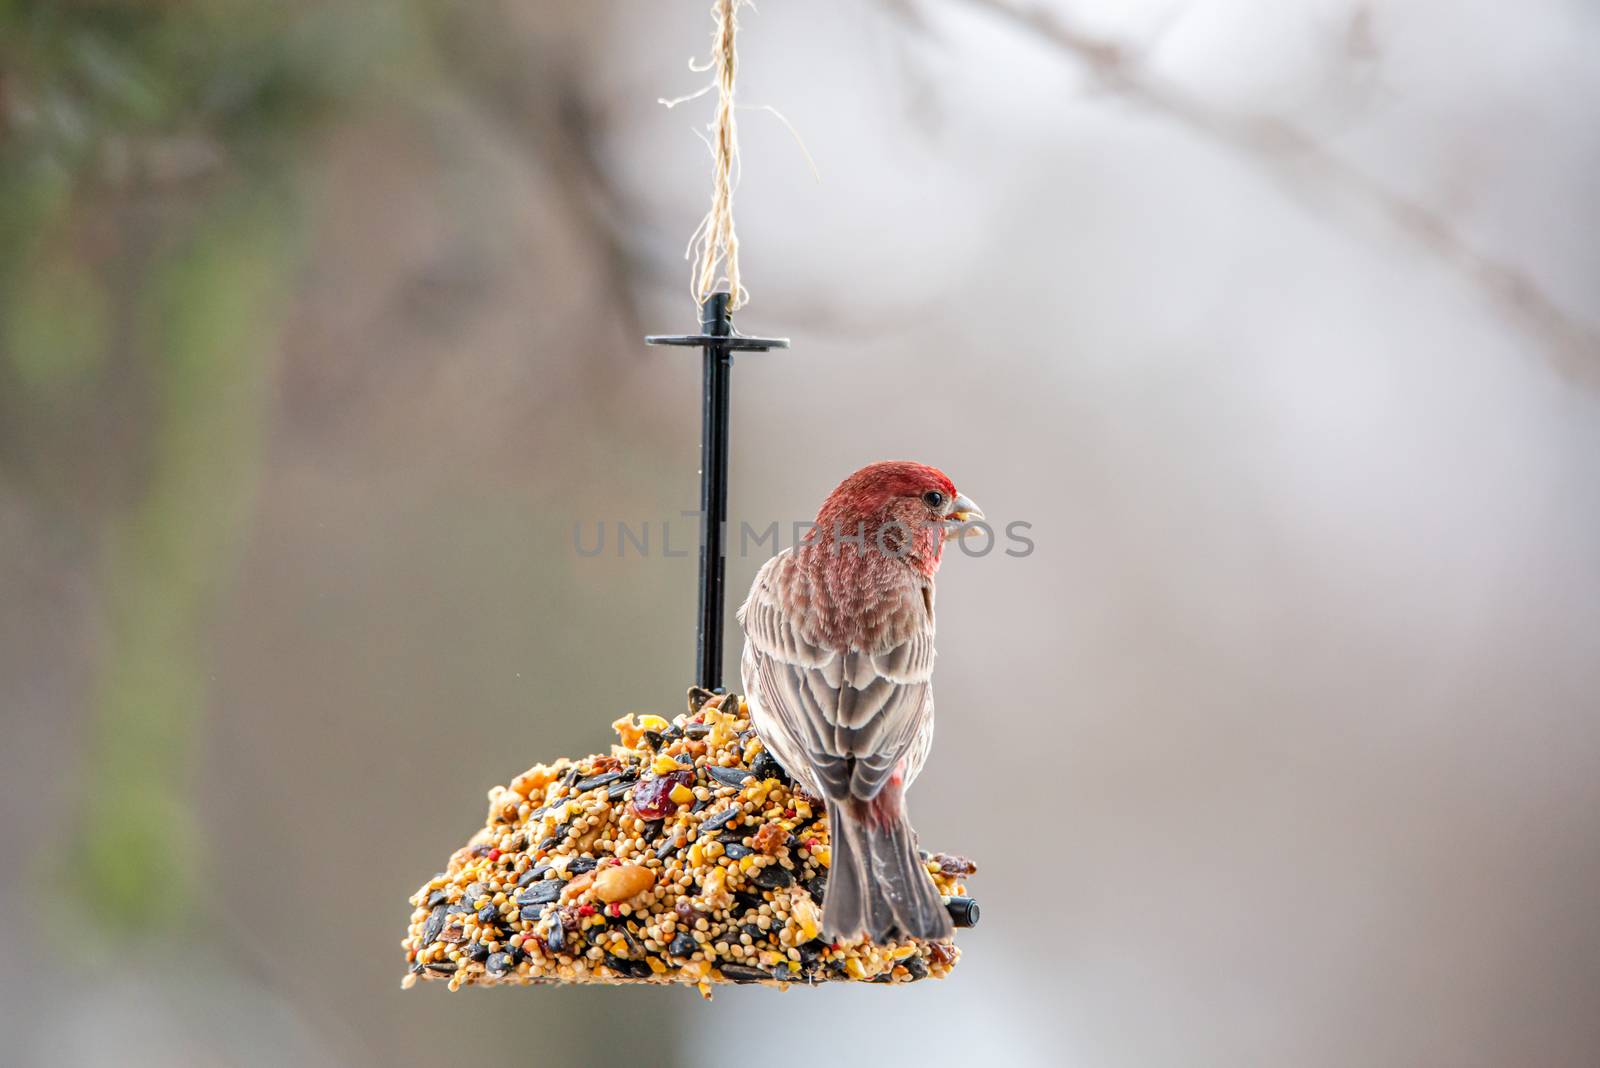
<point x="838" y="667"/>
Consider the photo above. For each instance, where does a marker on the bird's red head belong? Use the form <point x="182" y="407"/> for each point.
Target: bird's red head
<point x="900" y="506"/>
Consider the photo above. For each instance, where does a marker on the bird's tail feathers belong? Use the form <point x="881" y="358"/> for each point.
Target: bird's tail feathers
<point x="877" y="885"/>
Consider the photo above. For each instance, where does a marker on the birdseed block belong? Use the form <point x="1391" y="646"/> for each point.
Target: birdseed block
<point x="686" y="855"/>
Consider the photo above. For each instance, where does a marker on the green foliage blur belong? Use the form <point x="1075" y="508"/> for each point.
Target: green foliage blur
<point x="149" y="220"/>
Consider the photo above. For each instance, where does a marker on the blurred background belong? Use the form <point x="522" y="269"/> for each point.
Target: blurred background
<point x="320" y="331"/>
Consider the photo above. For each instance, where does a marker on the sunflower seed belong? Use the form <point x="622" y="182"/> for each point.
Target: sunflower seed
<point x="435" y="924"/>
<point x="773" y="877"/>
<point x="727" y="776"/>
<point x="765" y="767"/>
<point x="594" y="781"/>
<point x="633" y="969"/>
<point x="541" y="893"/>
<point x="743" y="973"/>
<point x="721" y="819"/>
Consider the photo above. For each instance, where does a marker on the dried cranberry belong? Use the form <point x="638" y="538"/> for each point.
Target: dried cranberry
<point x="652" y="798"/>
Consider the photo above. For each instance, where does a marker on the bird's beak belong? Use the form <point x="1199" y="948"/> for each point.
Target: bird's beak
<point x="963" y="510"/>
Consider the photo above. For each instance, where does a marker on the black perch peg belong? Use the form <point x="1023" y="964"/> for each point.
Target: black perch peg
<point x="717" y="342"/>
<point x="963" y="911"/>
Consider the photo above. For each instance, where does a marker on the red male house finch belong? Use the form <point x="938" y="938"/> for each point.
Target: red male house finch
<point x="838" y="668"/>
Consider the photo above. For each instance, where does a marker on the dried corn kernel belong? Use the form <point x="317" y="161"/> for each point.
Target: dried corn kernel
<point x="807" y="916"/>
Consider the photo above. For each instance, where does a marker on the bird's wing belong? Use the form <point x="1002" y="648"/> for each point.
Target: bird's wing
<point x="852" y="714"/>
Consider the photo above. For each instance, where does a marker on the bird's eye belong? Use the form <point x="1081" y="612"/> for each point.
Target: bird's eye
<point x="933" y="499"/>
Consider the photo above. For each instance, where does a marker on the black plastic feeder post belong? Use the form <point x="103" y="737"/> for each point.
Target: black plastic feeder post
<point x="714" y="321"/>
<point x="717" y="342"/>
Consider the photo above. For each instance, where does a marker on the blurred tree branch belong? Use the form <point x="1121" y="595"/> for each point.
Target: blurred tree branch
<point x="1295" y="155"/>
<point x="544" y="108"/>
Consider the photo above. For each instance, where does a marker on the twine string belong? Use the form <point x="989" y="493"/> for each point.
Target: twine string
<point x="714" y="247"/>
